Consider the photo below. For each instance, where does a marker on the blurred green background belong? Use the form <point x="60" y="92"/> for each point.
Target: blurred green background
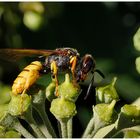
<point x="103" y="29"/>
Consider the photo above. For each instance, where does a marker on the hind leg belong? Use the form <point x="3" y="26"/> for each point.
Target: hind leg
<point x="21" y="101"/>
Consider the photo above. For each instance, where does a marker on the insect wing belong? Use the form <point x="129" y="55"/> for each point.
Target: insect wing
<point x="16" y="54"/>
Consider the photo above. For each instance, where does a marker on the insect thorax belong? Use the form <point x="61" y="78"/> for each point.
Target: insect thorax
<point x="62" y="62"/>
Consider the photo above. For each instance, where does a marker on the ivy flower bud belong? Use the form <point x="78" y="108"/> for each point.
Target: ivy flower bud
<point x="35" y="23"/>
<point x="3" y="110"/>
<point x="19" y="104"/>
<point x="131" y="134"/>
<point x="63" y="109"/>
<point x="105" y="112"/>
<point x="50" y="91"/>
<point x="12" y="134"/>
<point x="2" y="132"/>
<point x="131" y="111"/>
<point x="39" y="98"/>
<point x="69" y="90"/>
<point x="107" y="93"/>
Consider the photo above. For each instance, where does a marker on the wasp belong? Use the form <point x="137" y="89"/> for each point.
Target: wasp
<point x="55" y="61"/>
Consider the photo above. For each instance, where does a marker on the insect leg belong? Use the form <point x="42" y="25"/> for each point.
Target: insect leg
<point x="54" y="70"/>
<point x="73" y="61"/>
<point x="89" y="87"/>
<point x="92" y="81"/>
<point x="100" y="73"/>
<point x="21" y="100"/>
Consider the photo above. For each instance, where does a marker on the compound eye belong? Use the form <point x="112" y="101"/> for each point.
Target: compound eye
<point x="87" y="63"/>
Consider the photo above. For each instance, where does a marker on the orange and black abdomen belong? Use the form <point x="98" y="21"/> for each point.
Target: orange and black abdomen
<point x="26" y="78"/>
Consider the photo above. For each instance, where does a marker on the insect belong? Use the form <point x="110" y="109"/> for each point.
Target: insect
<point x="61" y="59"/>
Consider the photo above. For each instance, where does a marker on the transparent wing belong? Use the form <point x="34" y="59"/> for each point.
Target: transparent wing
<point x="16" y="54"/>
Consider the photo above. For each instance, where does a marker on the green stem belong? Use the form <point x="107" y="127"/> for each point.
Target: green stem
<point x="98" y="125"/>
<point x="50" y="133"/>
<point x="29" y="118"/>
<point x="89" y="128"/>
<point x="111" y="133"/>
<point x="17" y="126"/>
<point x="59" y="129"/>
<point x="69" y="127"/>
<point x="36" y="129"/>
<point x="64" y="129"/>
<point x="94" y="132"/>
<point x="116" y="134"/>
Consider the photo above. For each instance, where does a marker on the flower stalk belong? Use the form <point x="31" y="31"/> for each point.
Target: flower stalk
<point x="18" y="127"/>
<point x="69" y="127"/>
<point x="64" y="130"/>
<point x="89" y="128"/>
<point x="38" y="104"/>
<point x="29" y="118"/>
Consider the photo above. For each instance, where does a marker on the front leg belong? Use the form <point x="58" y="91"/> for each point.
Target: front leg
<point x="54" y="70"/>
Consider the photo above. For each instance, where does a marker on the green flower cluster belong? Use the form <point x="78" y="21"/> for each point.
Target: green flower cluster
<point x="105" y="121"/>
<point x="10" y="108"/>
<point x="14" y="108"/>
<point x="63" y="107"/>
<point x="108" y="123"/>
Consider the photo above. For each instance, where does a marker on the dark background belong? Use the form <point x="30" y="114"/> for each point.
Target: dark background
<point x="103" y="29"/>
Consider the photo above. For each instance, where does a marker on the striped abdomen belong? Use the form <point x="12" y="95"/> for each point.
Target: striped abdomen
<point x="26" y="78"/>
